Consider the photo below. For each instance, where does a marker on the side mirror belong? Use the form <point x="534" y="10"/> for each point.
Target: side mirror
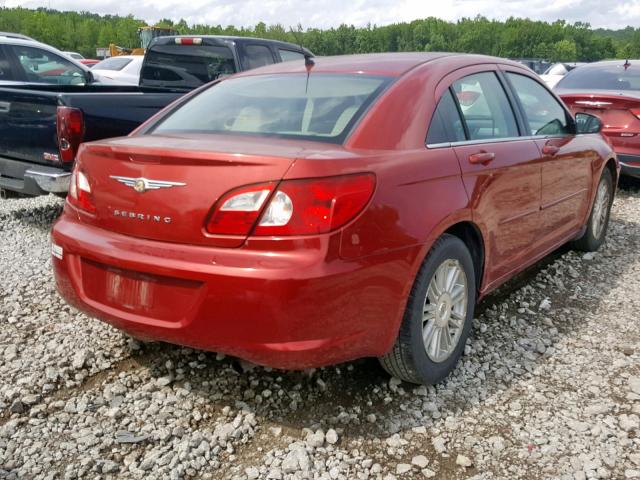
<point x="587" y="123"/>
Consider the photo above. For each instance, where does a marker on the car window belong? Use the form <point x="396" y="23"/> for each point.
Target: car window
<point x="185" y="66"/>
<point x="485" y="107"/>
<point x="288" y="55"/>
<point x="5" y="67"/>
<point x="446" y="125"/>
<point x="596" y="76"/>
<point x="113" y="64"/>
<point x="257" y="56"/>
<point x="543" y="112"/>
<point x="321" y="107"/>
<point x="41" y="66"/>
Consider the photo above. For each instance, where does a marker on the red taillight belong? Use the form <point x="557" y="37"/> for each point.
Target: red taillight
<point x="70" y="129"/>
<point x="80" y="194"/>
<point x="297" y="207"/>
<point x="238" y="210"/>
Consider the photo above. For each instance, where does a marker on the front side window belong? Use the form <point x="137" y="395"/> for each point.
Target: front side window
<point x="256" y="56"/>
<point x="321" y="107"/>
<point x="485" y="107"/>
<point x="41" y="66"/>
<point x="446" y="125"/>
<point x="544" y="114"/>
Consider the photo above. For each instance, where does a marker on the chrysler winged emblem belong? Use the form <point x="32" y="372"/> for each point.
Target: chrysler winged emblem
<point x="142" y="184"/>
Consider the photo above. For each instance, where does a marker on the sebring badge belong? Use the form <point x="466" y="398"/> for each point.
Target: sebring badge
<point x="142" y="184"/>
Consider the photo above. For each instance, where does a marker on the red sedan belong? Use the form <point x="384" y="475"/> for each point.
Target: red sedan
<point x="308" y="213"/>
<point x="610" y="90"/>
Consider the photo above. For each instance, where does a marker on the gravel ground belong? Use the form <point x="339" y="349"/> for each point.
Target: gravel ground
<point x="549" y="386"/>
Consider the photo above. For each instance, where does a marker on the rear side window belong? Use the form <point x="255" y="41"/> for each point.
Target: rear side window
<point x="288" y="55"/>
<point x="485" y="107"/>
<point x="256" y="56"/>
<point x="321" y="107"/>
<point x="113" y="64"/>
<point x="5" y="66"/>
<point x="42" y="66"/>
<point x="185" y="66"/>
<point x="544" y="115"/>
<point x="446" y="125"/>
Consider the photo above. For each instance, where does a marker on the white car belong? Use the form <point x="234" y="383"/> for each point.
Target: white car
<point x="555" y="72"/>
<point x="74" y="55"/>
<point x="23" y="60"/>
<point x="121" y="70"/>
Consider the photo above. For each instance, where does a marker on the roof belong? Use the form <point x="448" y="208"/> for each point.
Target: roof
<point x="388" y="64"/>
<point x="164" y="38"/>
<point x="609" y="63"/>
<point x="15" y="35"/>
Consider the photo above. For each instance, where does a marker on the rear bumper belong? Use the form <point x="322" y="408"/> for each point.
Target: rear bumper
<point x="300" y="308"/>
<point x="31" y="179"/>
<point x="630" y="164"/>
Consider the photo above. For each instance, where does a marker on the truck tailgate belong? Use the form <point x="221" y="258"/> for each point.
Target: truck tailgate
<point x="27" y="124"/>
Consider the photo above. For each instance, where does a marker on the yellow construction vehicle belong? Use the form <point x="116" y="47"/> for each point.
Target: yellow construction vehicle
<point x="146" y="34"/>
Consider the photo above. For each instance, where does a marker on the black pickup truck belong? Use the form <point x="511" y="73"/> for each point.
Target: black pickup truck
<point x="42" y="124"/>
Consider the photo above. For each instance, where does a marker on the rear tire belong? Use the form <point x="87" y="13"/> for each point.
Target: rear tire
<point x="438" y="316"/>
<point x="598" y="221"/>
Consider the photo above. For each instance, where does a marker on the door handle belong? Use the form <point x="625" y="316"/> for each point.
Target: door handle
<point x="5" y="107"/>
<point x="482" y="158"/>
<point x="550" y="150"/>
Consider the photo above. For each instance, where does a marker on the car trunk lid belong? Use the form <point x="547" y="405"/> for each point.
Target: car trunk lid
<point x="614" y="108"/>
<point x="618" y="111"/>
<point x="163" y="187"/>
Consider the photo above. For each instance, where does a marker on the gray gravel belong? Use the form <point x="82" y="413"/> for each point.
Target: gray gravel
<point x="549" y="386"/>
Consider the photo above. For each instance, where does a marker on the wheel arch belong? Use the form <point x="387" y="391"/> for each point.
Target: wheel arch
<point x="613" y="168"/>
<point x="471" y="236"/>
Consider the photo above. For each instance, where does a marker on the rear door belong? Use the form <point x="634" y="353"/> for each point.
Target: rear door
<point x="566" y="160"/>
<point x="501" y="171"/>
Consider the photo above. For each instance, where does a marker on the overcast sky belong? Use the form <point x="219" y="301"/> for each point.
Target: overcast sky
<point x="330" y="13"/>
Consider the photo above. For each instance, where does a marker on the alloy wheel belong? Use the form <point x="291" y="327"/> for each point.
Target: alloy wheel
<point x="445" y="310"/>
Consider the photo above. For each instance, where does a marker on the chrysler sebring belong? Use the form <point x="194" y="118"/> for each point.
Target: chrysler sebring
<point x="313" y="212"/>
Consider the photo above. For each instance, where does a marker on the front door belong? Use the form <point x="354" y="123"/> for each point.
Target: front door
<point x="502" y="174"/>
<point x="566" y="162"/>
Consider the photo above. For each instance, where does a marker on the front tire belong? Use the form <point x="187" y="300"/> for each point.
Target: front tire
<point x="598" y="221"/>
<point x="438" y="316"/>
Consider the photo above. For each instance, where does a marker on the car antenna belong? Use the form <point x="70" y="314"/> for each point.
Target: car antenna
<point x="309" y="62"/>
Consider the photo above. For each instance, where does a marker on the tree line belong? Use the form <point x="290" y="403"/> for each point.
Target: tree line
<point x="516" y="37"/>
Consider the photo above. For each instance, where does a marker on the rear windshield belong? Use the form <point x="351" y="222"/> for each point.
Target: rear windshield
<point x="603" y="77"/>
<point x="321" y="107"/>
<point x="113" y="64"/>
<point x="185" y="66"/>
